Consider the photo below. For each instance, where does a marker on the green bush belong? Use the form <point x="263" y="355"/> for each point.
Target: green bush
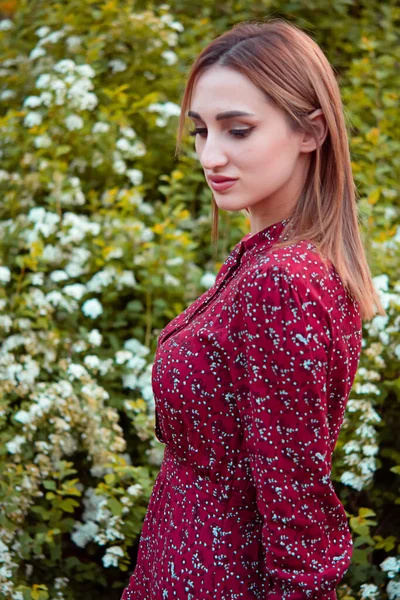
<point x="104" y="239"/>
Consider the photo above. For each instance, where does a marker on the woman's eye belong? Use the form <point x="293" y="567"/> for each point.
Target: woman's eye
<point x="234" y="132"/>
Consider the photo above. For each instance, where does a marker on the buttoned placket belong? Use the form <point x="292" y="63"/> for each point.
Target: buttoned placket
<point x="227" y="276"/>
<point x="248" y="246"/>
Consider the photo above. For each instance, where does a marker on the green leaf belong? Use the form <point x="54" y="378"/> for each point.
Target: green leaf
<point x="110" y="478"/>
<point x="115" y="507"/>
<point x="49" y="484"/>
<point x="360" y="557"/>
<point x="63" y="149"/>
<point x="68" y="505"/>
<point x="366" y="512"/>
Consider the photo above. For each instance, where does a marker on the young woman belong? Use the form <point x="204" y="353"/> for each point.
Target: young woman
<point x="251" y="380"/>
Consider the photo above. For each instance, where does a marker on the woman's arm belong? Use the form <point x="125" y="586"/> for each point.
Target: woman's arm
<point x="281" y="363"/>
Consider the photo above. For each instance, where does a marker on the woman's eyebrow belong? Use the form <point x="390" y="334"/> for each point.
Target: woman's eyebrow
<point x="225" y="115"/>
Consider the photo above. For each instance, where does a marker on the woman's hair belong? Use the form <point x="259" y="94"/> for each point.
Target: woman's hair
<point x="289" y="67"/>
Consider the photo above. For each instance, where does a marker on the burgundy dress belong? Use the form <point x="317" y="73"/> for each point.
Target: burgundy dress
<point x="250" y="384"/>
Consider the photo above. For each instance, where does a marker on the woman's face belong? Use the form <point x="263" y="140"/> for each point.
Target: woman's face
<point x="258" y="149"/>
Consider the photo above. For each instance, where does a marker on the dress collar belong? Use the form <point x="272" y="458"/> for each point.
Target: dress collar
<point x="266" y="237"/>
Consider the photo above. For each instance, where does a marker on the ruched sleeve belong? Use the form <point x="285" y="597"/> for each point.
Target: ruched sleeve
<point x="282" y="343"/>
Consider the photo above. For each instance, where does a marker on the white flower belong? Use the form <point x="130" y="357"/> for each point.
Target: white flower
<point x="76" y="290"/>
<point x="37" y="214"/>
<point x="122" y="356"/>
<point x="74" y="122"/>
<point x="393" y="590"/>
<point x="79" y="227"/>
<point x="367" y="466"/>
<point x="84" y="533"/>
<point x="127" y="278"/>
<point x="56" y="299"/>
<point x="61" y="582"/>
<point x="32" y="101"/>
<point x="123" y="145"/>
<point x="42" y="141"/>
<point x="111" y="556"/>
<point x="79" y="346"/>
<point x="349" y="478"/>
<point x="7" y="95"/>
<point x="92" y="308"/>
<point x="92" y="361"/>
<point x="135" y="490"/>
<point x="119" y="166"/>
<point x="95" y="338"/>
<point x="43" y="81"/>
<point x="178" y="260"/>
<point x="117" y="65"/>
<point x="168" y="109"/>
<point x="381" y="282"/>
<point x="128" y="132"/>
<point x="37" y="53"/>
<point x="5" y="275"/>
<point x="136" y="347"/>
<point x="366" y="431"/>
<point x="115" y="253"/>
<point x="6" y="25"/>
<point x="168" y="20"/>
<point x="170" y="57"/>
<point x="101" y="279"/>
<point x="378" y="324"/>
<point x="391" y="565"/>
<point x="135" y="176"/>
<point x="366" y="388"/>
<point x="32" y="119"/>
<point x="65" y="66"/>
<point x="46" y="98"/>
<point x="100" y="127"/>
<point x="77" y="371"/>
<point x="86" y="71"/>
<point x="22" y="416"/>
<point x="171" y="280"/>
<point x="42" y="31"/>
<point x="53" y="37"/>
<point x="370" y="449"/>
<point x="146" y="235"/>
<point x="369" y="591"/>
<point x="95" y="391"/>
<point x="6" y="322"/>
<point x="207" y="280"/>
<point x="58" y="275"/>
<point x="14" y="445"/>
<point x="73" y="42"/>
<point x="130" y="381"/>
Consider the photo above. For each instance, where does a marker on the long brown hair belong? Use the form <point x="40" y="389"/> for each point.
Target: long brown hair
<point x="292" y="71"/>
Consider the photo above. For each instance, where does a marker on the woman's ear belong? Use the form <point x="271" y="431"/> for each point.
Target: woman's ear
<point x="309" y="143"/>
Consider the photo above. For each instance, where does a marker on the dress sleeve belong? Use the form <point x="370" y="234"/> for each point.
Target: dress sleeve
<point x="281" y="362"/>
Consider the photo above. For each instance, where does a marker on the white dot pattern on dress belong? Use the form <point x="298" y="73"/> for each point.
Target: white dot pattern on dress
<point x="250" y="384"/>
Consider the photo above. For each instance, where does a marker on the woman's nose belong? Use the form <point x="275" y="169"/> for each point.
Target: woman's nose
<point x="212" y="156"/>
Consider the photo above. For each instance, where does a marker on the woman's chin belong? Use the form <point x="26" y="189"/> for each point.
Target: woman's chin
<point x="229" y="204"/>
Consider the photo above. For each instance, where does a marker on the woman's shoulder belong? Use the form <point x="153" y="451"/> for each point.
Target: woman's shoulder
<point x="300" y="277"/>
<point x="299" y="264"/>
<point x="299" y="270"/>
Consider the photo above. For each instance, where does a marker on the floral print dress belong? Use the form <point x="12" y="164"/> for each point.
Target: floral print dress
<point x="250" y="384"/>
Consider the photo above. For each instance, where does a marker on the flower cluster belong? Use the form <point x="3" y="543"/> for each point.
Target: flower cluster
<point x="381" y="347"/>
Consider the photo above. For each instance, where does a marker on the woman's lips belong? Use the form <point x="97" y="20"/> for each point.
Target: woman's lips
<point x="222" y="185"/>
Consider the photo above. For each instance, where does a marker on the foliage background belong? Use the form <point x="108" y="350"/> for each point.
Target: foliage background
<point x="104" y="238"/>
